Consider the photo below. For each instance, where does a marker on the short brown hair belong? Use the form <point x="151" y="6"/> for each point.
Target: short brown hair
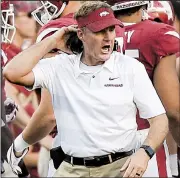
<point x="90" y="6"/>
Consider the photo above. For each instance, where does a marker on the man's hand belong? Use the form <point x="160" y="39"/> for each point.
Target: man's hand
<point x="11" y="109"/>
<point x="61" y="37"/>
<point x="14" y="159"/>
<point x="136" y="165"/>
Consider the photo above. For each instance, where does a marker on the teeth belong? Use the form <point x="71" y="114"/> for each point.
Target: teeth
<point x="105" y="50"/>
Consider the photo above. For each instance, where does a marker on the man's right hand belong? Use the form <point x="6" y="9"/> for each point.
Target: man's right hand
<point x="61" y="36"/>
<point x="14" y="159"/>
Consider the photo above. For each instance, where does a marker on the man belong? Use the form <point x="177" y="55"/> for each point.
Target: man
<point x="176" y="7"/>
<point x="162" y="12"/>
<point x="176" y="24"/>
<point x="147" y="41"/>
<point x="8" y="107"/>
<point x="84" y="90"/>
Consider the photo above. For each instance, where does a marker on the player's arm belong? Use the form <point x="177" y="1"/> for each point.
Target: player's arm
<point x="42" y="121"/>
<point x="157" y="134"/>
<point x="178" y="66"/>
<point x="22" y="117"/>
<point x="19" y="69"/>
<point x="167" y="86"/>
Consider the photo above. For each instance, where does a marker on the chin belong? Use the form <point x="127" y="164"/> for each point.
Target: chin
<point x="105" y="57"/>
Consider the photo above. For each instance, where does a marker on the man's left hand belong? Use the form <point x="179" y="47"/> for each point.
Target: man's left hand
<point x="136" y="165"/>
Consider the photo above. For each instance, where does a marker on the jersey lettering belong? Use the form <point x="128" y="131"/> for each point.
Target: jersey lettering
<point x="129" y="35"/>
<point x="131" y="52"/>
<point x="120" y="41"/>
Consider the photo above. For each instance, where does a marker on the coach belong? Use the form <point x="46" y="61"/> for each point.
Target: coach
<point x="95" y="96"/>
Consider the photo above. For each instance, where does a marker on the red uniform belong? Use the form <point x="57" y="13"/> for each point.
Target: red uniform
<point x="148" y="42"/>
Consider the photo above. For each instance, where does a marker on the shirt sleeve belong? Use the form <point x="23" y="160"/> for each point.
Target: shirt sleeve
<point x="43" y="73"/>
<point x="145" y="96"/>
<point x="166" y="42"/>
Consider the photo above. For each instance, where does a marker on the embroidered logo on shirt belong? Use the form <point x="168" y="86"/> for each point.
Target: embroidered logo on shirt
<point x="113" y="78"/>
<point x="113" y="85"/>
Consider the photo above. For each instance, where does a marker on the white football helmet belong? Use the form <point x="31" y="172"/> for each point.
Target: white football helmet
<point x="118" y="5"/>
<point x="160" y="11"/>
<point x="49" y="10"/>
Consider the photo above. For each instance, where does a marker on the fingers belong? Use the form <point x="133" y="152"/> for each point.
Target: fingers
<point x="136" y="173"/>
<point x="17" y="170"/>
<point x="71" y="28"/>
<point x="128" y="171"/>
<point x="126" y="164"/>
<point x="132" y="170"/>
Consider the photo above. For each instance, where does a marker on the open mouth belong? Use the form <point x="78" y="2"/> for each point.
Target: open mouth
<point x="106" y="49"/>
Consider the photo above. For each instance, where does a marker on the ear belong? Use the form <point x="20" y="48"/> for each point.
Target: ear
<point x="139" y="12"/>
<point x="80" y="34"/>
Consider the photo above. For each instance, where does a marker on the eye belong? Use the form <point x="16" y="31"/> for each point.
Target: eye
<point x="29" y="15"/>
<point x="111" y="28"/>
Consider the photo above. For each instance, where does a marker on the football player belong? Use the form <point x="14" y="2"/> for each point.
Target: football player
<point x="155" y="45"/>
<point x="176" y="24"/>
<point x="9" y="111"/>
<point x="161" y="11"/>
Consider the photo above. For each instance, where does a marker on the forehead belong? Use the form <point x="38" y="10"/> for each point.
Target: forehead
<point x="105" y="29"/>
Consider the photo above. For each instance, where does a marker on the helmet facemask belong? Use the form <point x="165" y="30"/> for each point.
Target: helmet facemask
<point x="47" y="12"/>
<point x="7" y="24"/>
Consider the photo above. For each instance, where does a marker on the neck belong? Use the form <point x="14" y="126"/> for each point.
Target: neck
<point x="90" y="60"/>
<point x="72" y="7"/>
<point x="17" y="40"/>
<point x="177" y="25"/>
<point x="129" y="19"/>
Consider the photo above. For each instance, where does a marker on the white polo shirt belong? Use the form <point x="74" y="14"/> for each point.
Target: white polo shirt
<point x="96" y="113"/>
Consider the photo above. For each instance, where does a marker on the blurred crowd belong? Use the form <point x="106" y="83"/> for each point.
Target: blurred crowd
<point x="30" y="19"/>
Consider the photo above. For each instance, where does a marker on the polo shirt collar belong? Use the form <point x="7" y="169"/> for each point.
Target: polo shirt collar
<point x="109" y="64"/>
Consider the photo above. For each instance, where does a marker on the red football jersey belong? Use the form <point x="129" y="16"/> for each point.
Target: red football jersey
<point x="10" y="50"/>
<point x="120" y="38"/>
<point x="148" y="42"/>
